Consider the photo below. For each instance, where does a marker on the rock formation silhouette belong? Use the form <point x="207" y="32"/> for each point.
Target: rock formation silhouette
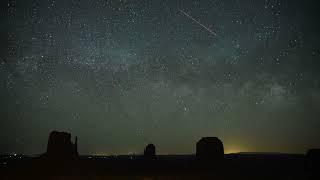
<point x="150" y="151"/>
<point x="209" y="148"/>
<point x="313" y="154"/>
<point x="313" y="162"/>
<point x="61" y="147"/>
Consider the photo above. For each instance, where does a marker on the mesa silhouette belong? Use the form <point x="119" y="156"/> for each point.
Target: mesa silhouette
<point x="62" y="160"/>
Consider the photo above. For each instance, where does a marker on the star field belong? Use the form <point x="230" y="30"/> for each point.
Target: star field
<point x="123" y="73"/>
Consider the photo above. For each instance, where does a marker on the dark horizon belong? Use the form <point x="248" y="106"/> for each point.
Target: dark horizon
<point x="56" y="144"/>
<point x="140" y="153"/>
<point x="62" y="160"/>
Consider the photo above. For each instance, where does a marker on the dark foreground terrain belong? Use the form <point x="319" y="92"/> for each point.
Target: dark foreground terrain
<point x="233" y="166"/>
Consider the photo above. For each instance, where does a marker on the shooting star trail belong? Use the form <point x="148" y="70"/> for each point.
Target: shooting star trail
<point x="209" y="30"/>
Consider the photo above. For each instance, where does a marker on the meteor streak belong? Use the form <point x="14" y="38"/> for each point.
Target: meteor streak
<point x="209" y="30"/>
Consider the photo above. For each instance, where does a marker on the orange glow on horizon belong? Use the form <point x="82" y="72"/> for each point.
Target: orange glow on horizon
<point x="234" y="149"/>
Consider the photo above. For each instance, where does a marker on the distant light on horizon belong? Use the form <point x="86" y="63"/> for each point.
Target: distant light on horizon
<point x="234" y="149"/>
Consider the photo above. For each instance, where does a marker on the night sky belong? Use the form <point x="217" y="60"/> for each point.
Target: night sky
<point x="123" y="73"/>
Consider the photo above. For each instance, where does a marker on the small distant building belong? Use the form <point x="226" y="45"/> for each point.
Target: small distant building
<point x="209" y="148"/>
<point x="150" y="151"/>
<point x="61" y="147"/>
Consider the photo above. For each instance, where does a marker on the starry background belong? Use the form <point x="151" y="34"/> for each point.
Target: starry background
<point x="123" y="73"/>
